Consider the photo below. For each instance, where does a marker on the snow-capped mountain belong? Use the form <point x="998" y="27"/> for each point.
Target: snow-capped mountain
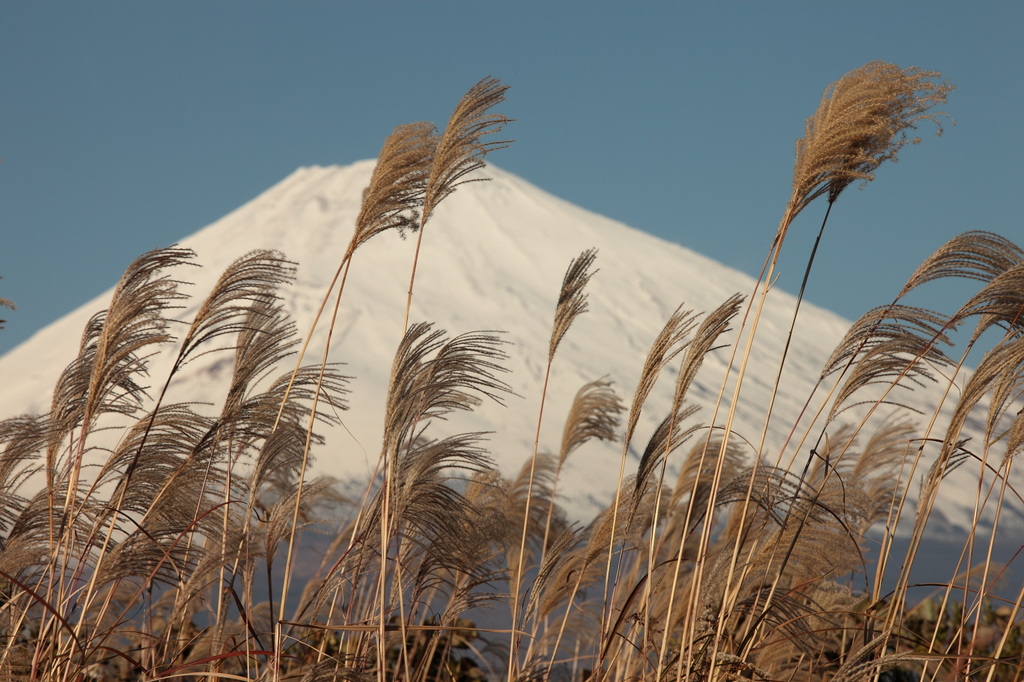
<point x="493" y="258"/>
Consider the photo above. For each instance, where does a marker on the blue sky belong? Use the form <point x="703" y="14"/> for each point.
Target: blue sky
<point x="125" y="126"/>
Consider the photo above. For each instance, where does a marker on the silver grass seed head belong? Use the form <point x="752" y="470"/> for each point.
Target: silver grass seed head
<point x="862" y="121"/>
<point x="572" y="297"/>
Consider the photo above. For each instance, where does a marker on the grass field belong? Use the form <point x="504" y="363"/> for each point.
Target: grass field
<point x="145" y="540"/>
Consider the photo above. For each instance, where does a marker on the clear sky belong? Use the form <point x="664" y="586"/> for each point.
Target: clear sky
<point x="125" y="126"/>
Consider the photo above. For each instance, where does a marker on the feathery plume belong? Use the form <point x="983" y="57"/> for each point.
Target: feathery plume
<point x="894" y="344"/>
<point x="103" y="378"/>
<point x="594" y="414"/>
<point x="433" y="376"/>
<point x="704" y="339"/>
<point x="665" y="440"/>
<point x="972" y="255"/>
<point x="666" y="346"/>
<point x="696" y="483"/>
<point x="861" y="122"/>
<point x="227" y="309"/>
<point x="398" y="183"/>
<point x="461" y="149"/>
<point x="1000" y="303"/>
<point x="670" y="434"/>
<point x="572" y="298"/>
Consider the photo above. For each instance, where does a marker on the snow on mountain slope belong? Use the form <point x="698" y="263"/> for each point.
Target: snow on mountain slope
<point x="493" y="258"/>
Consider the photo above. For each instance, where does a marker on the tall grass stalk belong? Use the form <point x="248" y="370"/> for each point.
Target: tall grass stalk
<point x="572" y="302"/>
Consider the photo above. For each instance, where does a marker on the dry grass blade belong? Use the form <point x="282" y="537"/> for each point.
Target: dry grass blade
<point x="104" y="379"/>
<point x="572" y="302"/>
<point x="868" y="661"/>
<point x="883" y="325"/>
<point x="884" y="367"/>
<point x="283" y="447"/>
<point x="249" y="419"/>
<point x="808" y="531"/>
<point x="395" y="193"/>
<point x="431" y="377"/>
<point x="430" y="510"/>
<point x="247" y="287"/>
<point x="1015" y="436"/>
<point x="336" y="671"/>
<point x="549" y="588"/>
<point x="266" y="338"/>
<point x="528" y="495"/>
<point x="27" y="546"/>
<point x="278" y="522"/>
<point x="668" y="344"/>
<point x="862" y="121"/>
<point x="156" y="448"/>
<point x="875" y="466"/>
<point x="460" y="150"/>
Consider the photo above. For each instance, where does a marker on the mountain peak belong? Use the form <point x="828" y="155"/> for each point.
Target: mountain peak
<point x="493" y="257"/>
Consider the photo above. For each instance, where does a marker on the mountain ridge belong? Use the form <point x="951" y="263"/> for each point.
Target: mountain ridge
<point x="493" y="256"/>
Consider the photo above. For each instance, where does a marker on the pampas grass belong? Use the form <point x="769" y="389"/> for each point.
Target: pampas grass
<point x="147" y="540"/>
